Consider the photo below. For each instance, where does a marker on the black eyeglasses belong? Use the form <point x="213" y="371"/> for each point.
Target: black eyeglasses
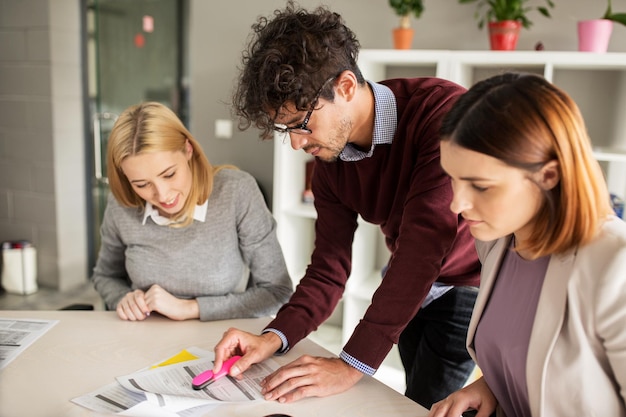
<point x="302" y="128"/>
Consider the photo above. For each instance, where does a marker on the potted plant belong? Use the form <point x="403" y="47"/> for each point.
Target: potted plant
<point x="403" y="35"/>
<point x="594" y="34"/>
<point x="505" y="18"/>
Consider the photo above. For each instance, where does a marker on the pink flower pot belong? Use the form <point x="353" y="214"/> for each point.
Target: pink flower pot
<point x="594" y="35"/>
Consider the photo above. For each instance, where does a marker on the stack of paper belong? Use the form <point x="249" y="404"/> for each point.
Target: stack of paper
<point x="164" y="390"/>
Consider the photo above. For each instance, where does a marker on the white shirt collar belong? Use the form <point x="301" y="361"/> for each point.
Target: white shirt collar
<point x="198" y="214"/>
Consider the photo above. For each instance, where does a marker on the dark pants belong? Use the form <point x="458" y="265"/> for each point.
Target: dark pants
<point x="432" y="347"/>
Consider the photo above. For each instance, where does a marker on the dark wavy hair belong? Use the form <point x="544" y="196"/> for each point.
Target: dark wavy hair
<point x="288" y="59"/>
<point x="525" y="121"/>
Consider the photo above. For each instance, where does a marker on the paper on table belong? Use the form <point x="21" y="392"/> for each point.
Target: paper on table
<point x="143" y="399"/>
<point x="18" y="334"/>
<point x="114" y="399"/>
<point x="111" y="398"/>
<point x="175" y="380"/>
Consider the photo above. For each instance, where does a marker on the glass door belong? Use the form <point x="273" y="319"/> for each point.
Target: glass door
<point x="133" y="53"/>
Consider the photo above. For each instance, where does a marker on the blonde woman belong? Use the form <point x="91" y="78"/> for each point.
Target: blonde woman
<point x="180" y="237"/>
<point x="547" y="329"/>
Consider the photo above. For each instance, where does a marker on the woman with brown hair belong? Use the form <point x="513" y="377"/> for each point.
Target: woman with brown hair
<point x="547" y="329"/>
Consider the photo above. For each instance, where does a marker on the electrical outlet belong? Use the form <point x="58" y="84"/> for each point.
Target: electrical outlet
<point x="223" y="128"/>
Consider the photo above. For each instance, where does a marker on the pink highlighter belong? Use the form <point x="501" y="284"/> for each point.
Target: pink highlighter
<point x="207" y="377"/>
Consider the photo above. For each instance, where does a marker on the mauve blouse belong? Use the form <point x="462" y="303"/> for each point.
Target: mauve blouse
<point x="503" y="333"/>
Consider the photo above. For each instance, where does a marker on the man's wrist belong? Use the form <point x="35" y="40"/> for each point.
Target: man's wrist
<point x="284" y="344"/>
<point x="273" y="340"/>
<point x="356" y="364"/>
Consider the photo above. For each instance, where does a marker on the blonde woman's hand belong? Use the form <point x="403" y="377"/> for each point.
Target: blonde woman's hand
<point x="475" y="396"/>
<point x="133" y="306"/>
<point x="159" y="300"/>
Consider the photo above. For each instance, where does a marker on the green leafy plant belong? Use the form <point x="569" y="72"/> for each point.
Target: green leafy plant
<point x="499" y="10"/>
<point x="404" y="9"/>
<point x="616" y="17"/>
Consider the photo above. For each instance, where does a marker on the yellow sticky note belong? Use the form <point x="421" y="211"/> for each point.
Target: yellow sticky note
<point x="182" y="356"/>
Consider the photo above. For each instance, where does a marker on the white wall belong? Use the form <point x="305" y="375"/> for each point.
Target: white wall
<point x="218" y="31"/>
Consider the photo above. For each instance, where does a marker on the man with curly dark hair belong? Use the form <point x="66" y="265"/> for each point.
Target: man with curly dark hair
<point x="377" y="156"/>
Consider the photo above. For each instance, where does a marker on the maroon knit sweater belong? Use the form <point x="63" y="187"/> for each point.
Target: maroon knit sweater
<point x="402" y="188"/>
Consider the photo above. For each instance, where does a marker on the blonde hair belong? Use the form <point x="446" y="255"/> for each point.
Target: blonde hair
<point x="525" y="121"/>
<point x="153" y="127"/>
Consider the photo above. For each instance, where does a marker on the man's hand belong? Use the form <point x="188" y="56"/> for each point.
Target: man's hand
<point x="252" y="348"/>
<point x="309" y="376"/>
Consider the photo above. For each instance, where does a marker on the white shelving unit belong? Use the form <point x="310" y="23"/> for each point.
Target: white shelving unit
<point x="596" y="81"/>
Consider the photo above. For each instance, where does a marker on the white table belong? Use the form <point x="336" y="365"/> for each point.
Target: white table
<point x="86" y="350"/>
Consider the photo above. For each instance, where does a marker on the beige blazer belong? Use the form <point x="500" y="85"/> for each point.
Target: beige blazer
<point x="576" y="364"/>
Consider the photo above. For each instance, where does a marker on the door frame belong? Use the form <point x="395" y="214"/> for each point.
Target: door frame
<point x="89" y="110"/>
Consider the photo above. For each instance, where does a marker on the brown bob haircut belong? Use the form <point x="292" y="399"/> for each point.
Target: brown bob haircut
<point x="525" y="121"/>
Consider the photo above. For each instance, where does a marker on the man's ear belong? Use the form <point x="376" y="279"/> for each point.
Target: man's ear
<point x="549" y="175"/>
<point x="346" y="85"/>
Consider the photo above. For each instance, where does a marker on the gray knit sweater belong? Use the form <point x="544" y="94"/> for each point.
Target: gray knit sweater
<point x="232" y="263"/>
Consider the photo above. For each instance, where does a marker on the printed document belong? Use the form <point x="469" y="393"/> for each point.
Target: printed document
<point x="18" y="334"/>
<point x="165" y="389"/>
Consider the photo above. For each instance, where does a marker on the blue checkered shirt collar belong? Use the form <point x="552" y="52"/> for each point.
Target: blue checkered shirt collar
<point x="385" y="123"/>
